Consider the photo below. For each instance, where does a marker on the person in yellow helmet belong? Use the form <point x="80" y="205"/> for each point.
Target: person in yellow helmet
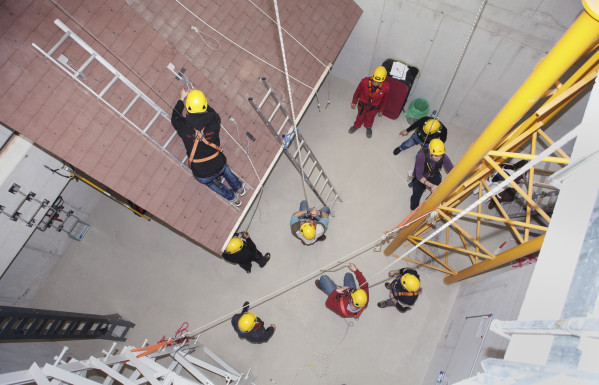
<point x="403" y="290"/>
<point x="427" y="170"/>
<point x="309" y="225"/>
<point x="242" y="250"/>
<point x="349" y="300"/>
<point x="371" y="98"/>
<point x="250" y="327"/>
<point x="199" y="129"/>
<point x="425" y="130"/>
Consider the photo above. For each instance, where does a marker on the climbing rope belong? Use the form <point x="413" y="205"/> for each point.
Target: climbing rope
<point x="480" y="11"/>
<point x="296" y="132"/>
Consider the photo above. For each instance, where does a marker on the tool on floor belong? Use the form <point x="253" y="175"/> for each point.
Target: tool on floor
<point x="318" y="181"/>
<point x="70" y="223"/>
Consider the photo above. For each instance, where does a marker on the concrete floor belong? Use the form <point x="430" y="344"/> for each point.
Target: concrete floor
<point x="159" y="280"/>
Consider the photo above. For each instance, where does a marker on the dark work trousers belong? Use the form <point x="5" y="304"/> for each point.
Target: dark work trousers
<point x="419" y="187"/>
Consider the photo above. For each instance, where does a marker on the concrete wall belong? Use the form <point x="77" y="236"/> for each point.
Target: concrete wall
<point x="509" y="40"/>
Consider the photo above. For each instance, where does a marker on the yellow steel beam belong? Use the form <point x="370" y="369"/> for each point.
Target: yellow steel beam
<point x="466" y="234"/>
<point x="564" y="97"/>
<point x="547" y="139"/>
<point x="518" y="155"/>
<point x="519" y="190"/>
<point x="430" y="266"/>
<point x="415" y="241"/>
<point x="504" y="214"/>
<point x="449" y="247"/>
<point x="507" y="256"/>
<point x="496" y="219"/>
<point x="531" y="176"/>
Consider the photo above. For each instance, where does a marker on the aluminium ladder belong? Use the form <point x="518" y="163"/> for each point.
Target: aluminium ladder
<point x="17" y="323"/>
<point x="315" y="177"/>
<point x="78" y="75"/>
<point x="159" y="364"/>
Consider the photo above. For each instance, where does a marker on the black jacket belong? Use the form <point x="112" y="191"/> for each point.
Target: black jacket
<point x="186" y="126"/>
<point x="417" y="125"/>
<point x="256" y="336"/>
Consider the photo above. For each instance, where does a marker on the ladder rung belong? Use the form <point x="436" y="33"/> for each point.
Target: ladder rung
<point x="169" y="140"/>
<point x="114" y="79"/>
<point x="150" y="123"/>
<point x="312" y="169"/>
<point x="329" y="194"/>
<point x="326" y="183"/>
<point x="306" y="158"/>
<point x="265" y="99"/>
<point x="62" y="39"/>
<point x="84" y="66"/>
<point x="283" y="125"/>
<point x="274" y="112"/>
<point x="131" y="104"/>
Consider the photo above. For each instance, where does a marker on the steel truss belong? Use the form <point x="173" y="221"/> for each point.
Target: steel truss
<point x="527" y="217"/>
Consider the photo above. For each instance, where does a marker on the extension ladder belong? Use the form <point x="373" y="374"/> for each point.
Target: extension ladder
<point x="33" y="324"/>
<point x="78" y="75"/>
<point x="155" y="365"/>
<point x="315" y="177"/>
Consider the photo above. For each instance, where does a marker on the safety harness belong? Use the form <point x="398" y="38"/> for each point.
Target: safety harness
<point x="431" y="165"/>
<point x="371" y="92"/>
<point x="200" y="136"/>
<point x="395" y="289"/>
<point x="346" y="313"/>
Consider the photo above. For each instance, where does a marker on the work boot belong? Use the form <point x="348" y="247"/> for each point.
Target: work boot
<point x="317" y="283"/>
<point x="382" y="304"/>
<point x="351" y="130"/>
<point x="369" y="132"/>
<point x="388" y="285"/>
<point x="397" y="150"/>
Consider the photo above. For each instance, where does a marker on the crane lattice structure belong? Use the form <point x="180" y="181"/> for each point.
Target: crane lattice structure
<point x="516" y="133"/>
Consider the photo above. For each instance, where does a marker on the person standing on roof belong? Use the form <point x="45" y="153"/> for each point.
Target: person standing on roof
<point x="427" y="129"/>
<point x="403" y="290"/>
<point x="199" y="130"/>
<point x="309" y="225"/>
<point x="250" y="327"/>
<point x="427" y="170"/>
<point x="346" y="301"/>
<point x="242" y="250"/>
<point x="371" y="98"/>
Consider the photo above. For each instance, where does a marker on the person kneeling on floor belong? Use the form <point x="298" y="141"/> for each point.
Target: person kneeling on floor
<point x="403" y="290"/>
<point x="250" y="327"/>
<point x="346" y="301"/>
<point x="242" y="250"/>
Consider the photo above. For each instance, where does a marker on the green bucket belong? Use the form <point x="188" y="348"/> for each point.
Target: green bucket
<point x="418" y="109"/>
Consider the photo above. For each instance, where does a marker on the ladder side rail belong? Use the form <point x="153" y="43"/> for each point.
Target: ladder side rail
<point x="266" y="122"/>
<point x="108" y="66"/>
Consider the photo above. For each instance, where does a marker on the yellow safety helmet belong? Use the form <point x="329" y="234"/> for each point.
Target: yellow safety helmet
<point x="379" y="74"/>
<point x="247" y="322"/>
<point x="308" y="231"/>
<point x="235" y="245"/>
<point x="436" y="147"/>
<point x="196" y="102"/>
<point x="359" y="297"/>
<point x="410" y="282"/>
<point x="431" y="126"/>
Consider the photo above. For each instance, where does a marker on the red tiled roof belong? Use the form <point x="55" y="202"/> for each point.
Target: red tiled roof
<point x="140" y="38"/>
